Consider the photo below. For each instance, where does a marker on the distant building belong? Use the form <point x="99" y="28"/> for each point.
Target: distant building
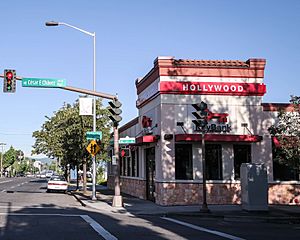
<point x="165" y="163"/>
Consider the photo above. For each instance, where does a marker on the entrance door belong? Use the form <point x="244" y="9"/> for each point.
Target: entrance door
<point x="150" y="173"/>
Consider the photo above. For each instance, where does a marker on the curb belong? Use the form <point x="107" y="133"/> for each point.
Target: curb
<point x="216" y="216"/>
<point x="78" y="199"/>
<point x="279" y="219"/>
<point x="239" y="218"/>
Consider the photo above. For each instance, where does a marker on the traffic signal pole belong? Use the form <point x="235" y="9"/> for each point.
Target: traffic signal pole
<point x="201" y="115"/>
<point x="80" y="90"/>
<point x="204" y="208"/>
<point x="117" y="199"/>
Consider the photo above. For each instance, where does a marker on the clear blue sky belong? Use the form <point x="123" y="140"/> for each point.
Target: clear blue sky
<point x="130" y="35"/>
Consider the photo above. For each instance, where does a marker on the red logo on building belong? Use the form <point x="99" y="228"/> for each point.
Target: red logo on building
<point x="146" y="122"/>
<point x="221" y="117"/>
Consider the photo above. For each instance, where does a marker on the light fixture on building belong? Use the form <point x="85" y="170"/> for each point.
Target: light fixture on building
<point x="245" y="126"/>
<point x="168" y="136"/>
<point x="181" y="124"/>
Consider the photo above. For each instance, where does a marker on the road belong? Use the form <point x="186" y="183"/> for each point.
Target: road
<point x="28" y="212"/>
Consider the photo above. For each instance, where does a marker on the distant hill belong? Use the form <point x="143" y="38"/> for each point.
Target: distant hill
<point x="44" y="160"/>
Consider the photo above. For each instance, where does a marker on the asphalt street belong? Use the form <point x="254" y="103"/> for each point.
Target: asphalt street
<point x="28" y="212"/>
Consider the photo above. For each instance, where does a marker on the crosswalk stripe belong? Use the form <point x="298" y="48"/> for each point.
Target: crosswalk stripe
<point x="96" y="226"/>
<point x="225" y="235"/>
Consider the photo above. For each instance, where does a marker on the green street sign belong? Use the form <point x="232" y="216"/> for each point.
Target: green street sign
<point x="94" y="135"/>
<point x="127" y="140"/>
<point x="44" y="82"/>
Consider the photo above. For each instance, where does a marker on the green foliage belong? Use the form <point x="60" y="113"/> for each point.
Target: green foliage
<point x="100" y="175"/>
<point x="9" y="157"/>
<point x="21" y="167"/>
<point x="62" y="136"/>
<point x="52" y="166"/>
<point x="287" y="131"/>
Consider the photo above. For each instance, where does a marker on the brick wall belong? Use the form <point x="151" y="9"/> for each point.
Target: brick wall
<point x="283" y="193"/>
<point x="191" y="193"/>
<point x="132" y="186"/>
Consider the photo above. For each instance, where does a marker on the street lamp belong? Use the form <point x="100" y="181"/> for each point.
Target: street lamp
<point x="53" y="23"/>
<point x="1" y="166"/>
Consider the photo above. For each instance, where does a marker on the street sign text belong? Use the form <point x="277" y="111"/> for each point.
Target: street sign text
<point x="43" y="82"/>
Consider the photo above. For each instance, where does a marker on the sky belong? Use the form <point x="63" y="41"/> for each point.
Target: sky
<point x="130" y="35"/>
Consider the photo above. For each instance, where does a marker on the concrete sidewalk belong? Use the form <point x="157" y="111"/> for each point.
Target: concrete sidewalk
<point x="136" y="206"/>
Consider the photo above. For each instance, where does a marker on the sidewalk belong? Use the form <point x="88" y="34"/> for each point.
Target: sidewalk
<point x="136" y="206"/>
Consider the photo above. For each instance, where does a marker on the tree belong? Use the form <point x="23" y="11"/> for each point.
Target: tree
<point x="287" y="133"/>
<point x="9" y="157"/>
<point x="63" y="135"/>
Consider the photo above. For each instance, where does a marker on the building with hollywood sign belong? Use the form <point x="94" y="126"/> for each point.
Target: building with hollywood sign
<point x="165" y="163"/>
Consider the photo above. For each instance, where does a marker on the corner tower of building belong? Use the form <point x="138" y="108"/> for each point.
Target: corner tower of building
<point x="166" y="95"/>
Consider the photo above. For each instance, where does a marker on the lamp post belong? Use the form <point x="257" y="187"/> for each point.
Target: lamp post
<point x="1" y="166"/>
<point x="93" y="34"/>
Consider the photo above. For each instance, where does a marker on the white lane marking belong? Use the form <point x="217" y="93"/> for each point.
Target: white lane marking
<point x="40" y="214"/>
<point x="96" y="226"/>
<point x="6" y="181"/>
<point x="19" y="185"/>
<point x="225" y="235"/>
<point x="30" y="207"/>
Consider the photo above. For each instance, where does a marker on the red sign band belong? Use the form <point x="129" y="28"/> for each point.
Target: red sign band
<point x="213" y="88"/>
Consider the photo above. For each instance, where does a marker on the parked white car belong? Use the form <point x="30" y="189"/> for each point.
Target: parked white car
<point x="49" y="173"/>
<point x="57" y="183"/>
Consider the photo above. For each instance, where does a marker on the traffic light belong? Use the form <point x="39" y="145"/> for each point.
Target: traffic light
<point x="201" y="114"/>
<point x="115" y="111"/>
<point x="9" y="84"/>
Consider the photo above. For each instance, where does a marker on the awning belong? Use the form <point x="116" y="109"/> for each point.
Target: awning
<point x="217" y="138"/>
<point x="146" y="139"/>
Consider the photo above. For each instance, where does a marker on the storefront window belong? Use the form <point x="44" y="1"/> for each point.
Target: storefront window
<point x="129" y="165"/>
<point x="134" y="163"/>
<point x="128" y="161"/>
<point x="283" y="169"/>
<point x="242" y="154"/>
<point x="213" y="160"/>
<point x="183" y="161"/>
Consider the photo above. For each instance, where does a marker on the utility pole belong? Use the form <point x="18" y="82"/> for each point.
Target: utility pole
<point x="1" y="165"/>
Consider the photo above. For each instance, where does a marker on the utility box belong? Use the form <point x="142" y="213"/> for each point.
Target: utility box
<point x="254" y="185"/>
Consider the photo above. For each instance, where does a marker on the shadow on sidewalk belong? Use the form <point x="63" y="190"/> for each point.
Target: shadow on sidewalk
<point x="136" y="206"/>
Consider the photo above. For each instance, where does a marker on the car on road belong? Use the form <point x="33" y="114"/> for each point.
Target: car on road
<point x="57" y="183"/>
<point x="49" y="173"/>
<point x="20" y="174"/>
